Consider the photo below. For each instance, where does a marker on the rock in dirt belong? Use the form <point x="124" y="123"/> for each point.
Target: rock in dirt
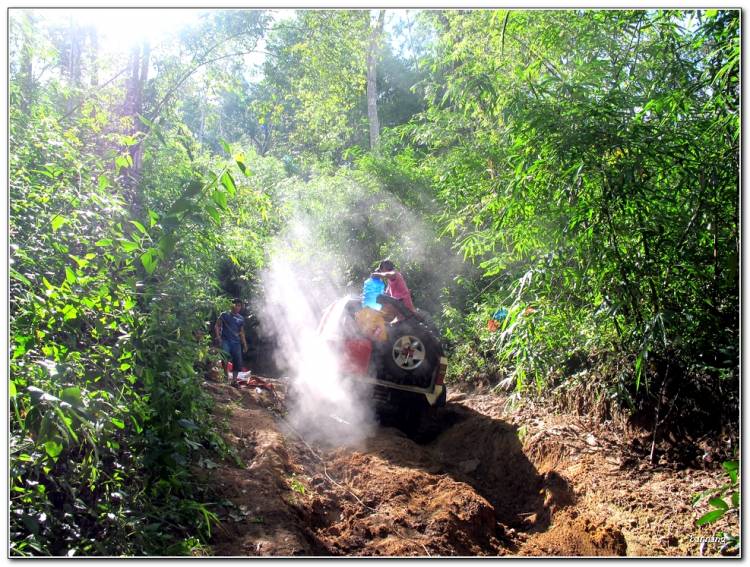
<point x="469" y="466"/>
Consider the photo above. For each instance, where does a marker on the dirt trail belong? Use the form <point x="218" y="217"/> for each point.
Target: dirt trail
<point x="491" y="482"/>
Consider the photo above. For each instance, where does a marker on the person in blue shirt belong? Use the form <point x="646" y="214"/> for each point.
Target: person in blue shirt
<point x="230" y="332"/>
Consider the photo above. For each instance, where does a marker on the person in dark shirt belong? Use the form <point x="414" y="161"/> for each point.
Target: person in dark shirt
<point x="230" y="333"/>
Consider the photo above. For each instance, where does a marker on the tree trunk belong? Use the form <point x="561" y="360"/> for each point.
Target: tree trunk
<point x="136" y="151"/>
<point x="131" y="90"/>
<point x="27" y="75"/>
<point x="74" y="62"/>
<point x="372" y="91"/>
<point x="415" y="59"/>
<point x="94" y="39"/>
<point x="204" y="102"/>
<point x="139" y="60"/>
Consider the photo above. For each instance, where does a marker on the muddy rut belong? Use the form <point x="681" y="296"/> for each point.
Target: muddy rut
<point x="490" y="482"/>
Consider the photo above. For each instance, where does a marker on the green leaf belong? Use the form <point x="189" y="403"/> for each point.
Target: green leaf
<point x="227" y="147"/>
<point x="67" y="423"/>
<point x="45" y="429"/>
<point x="13" y="391"/>
<point x="157" y="131"/>
<point x="213" y="213"/>
<point x="169" y="223"/>
<point x="70" y="275"/>
<point x="179" y="206"/>
<point x="149" y="261"/>
<point x="731" y="465"/>
<point x="228" y="182"/>
<point x="193" y="188"/>
<point x="72" y="395"/>
<point x="104" y="182"/>
<point x="20" y="277"/>
<point x="220" y="198"/>
<point x="187" y="423"/>
<point x="717" y="502"/>
<point x="639" y="366"/>
<point x="240" y="160"/>
<point x="31" y="523"/>
<point x="57" y="222"/>
<point x="53" y="449"/>
<point x="145" y="121"/>
<point x="128" y="246"/>
<point x="139" y="226"/>
<point x="104" y="242"/>
<point x="118" y="423"/>
<point x="167" y="243"/>
<point x="710" y="517"/>
<point x="69" y="312"/>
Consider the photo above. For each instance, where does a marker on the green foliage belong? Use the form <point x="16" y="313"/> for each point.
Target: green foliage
<point x="107" y="409"/>
<point x="578" y="168"/>
<point x="296" y="485"/>
<point x="571" y="157"/>
<point x="721" y="508"/>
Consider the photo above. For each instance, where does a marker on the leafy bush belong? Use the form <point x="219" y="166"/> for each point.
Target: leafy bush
<point x="107" y="409"/>
<point x="716" y="497"/>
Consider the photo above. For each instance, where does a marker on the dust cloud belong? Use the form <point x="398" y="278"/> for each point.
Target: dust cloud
<point x="337" y="232"/>
<point x="324" y="408"/>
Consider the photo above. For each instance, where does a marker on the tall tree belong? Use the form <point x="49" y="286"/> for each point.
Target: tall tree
<point x="372" y="86"/>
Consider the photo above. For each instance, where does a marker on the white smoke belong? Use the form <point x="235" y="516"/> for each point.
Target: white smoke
<point x="328" y="409"/>
<point x="339" y="228"/>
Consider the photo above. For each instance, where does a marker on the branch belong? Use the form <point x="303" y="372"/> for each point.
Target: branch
<point x="76" y="107"/>
<point x="187" y="76"/>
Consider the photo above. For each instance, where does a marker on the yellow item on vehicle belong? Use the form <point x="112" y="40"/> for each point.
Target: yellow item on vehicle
<point x="371" y="324"/>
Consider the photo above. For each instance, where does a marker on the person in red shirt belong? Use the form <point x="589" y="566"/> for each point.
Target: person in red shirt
<point x="396" y="286"/>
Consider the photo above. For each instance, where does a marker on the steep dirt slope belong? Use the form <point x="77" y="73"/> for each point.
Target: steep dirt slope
<point x="490" y="482"/>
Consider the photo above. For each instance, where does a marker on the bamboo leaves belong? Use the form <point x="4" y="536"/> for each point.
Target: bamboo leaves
<point x="598" y="178"/>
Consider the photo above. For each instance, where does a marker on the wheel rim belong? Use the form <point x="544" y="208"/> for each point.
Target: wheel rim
<point x="408" y="352"/>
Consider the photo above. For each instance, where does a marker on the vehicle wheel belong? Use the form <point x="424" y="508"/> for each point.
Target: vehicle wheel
<point x="411" y="354"/>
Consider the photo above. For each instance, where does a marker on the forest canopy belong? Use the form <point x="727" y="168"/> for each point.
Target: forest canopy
<point x="576" y="170"/>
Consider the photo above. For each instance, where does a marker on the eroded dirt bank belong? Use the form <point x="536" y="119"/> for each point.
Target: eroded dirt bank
<point x="490" y="482"/>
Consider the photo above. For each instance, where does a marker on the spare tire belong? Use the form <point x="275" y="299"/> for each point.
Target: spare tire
<point x="410" y="355"/>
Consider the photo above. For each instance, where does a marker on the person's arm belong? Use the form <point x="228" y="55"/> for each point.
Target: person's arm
<point x="242" y="338"/>
<point x="217" y="329"/>
<point x="386" y="275"/>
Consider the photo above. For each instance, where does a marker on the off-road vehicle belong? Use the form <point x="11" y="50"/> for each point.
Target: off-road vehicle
<point x="392" y="355"/>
